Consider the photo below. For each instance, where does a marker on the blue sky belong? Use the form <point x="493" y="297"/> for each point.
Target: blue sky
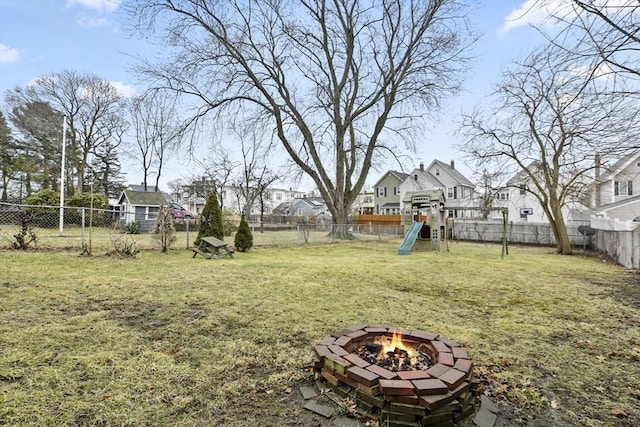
<point x="46" y="36"/>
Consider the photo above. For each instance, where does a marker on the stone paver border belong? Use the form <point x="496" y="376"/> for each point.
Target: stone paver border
<point x="445" y="393"/>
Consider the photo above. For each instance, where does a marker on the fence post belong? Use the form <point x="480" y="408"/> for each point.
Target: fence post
<point x="187" y="227"/>
<point x="82" y="220"/>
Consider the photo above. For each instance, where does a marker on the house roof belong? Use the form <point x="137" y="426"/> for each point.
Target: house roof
<point x="143" y="198"/>
<point x="314" y="202"/>
<point x="425" y="175"/>
<point x="618" y="166"/>
<point x="453" y="171"/>
<point x="619" y="203"/>
<point x="400" y="176"/>
<point x="390" y="205"/>
<point x="282" y="207"/>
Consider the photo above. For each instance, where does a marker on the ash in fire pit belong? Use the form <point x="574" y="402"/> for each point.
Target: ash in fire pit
<point x="411" y="377"/>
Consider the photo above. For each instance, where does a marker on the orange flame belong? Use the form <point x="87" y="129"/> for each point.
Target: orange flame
<point x="396" y="343"/>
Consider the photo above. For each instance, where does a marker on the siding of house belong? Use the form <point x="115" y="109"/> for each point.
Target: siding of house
<point x="627" y="212"/>
<point x="440" y="176"/>
<point x="387" y="191"/>
<point x="630" y="172"/>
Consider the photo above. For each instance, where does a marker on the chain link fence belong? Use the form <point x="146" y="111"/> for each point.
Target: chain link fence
<point x="101" y="231"/>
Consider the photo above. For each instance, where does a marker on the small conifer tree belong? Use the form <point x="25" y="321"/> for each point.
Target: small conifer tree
<point x="244" y="239"/>
<point x="211" y="219"/>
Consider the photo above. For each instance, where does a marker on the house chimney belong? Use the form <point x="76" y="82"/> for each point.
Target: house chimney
<point x="421" y="167"/>
<point x="453" y="165"/>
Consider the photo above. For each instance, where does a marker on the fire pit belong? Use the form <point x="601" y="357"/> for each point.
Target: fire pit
<point x="404" y="378"/>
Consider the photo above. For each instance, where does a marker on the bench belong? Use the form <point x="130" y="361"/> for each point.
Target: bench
<point x="210" y="247"/>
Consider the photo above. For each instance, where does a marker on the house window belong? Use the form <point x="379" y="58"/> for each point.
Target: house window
<point x="450" y="192"/>
<point x="623" y="188"/>
<point x="523" y="191"/>
<point x="382" y="191"/>
<point x="278" y="196"/>
<point x="368" y="199"/>
<point x="503" y="196"/>
<point x="437" y="171"/>
<point x="396" y="191"/>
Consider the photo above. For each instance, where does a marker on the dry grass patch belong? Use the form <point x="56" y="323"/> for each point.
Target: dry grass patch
<point x="165" y="339"/>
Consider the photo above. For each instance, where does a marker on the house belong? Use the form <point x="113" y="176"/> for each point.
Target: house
<point x="364" y="203"/>
<point x="387" y="193"/>
<point x="523" y="206"/>
<point x="140" y="206"/>
<point x="311" y="207"/>
<point x="459" y="191"/>
<point x="616" y="192"/>
<point x="230" y="197"/>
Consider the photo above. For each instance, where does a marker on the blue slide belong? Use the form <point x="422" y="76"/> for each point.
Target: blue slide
<point x="410" y="238"/>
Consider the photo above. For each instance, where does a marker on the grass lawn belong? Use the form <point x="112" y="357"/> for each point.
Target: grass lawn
<point x="165" y="339"/>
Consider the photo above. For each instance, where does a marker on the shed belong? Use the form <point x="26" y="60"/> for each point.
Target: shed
<point x="140" y="206"/>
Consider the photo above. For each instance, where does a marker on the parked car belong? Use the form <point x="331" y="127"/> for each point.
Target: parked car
<point x="178" y="212"/>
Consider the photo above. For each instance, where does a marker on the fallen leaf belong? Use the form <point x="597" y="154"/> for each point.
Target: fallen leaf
<point x="617" y="412"/>
<point x="554" y="404"/>
<point x="288" y="390"/>
<point x="269" y="391"/>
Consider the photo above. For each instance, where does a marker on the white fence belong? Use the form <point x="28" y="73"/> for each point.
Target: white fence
<point x="621" y="245"/>
<point x="528" y="233"/>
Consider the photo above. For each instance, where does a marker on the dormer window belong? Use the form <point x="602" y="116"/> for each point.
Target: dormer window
<point x="437" y="171"/>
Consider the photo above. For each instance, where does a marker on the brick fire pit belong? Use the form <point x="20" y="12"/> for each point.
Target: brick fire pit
<point x="441" y="394"/>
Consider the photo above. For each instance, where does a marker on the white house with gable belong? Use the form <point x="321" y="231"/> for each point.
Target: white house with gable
<point x="458" y="190"/>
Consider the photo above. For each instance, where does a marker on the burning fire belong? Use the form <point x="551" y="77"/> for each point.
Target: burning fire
<point x="395" y="355"/>
<point x="396" y="345"/>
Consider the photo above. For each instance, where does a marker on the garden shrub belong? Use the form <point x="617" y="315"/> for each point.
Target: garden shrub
<point x="132" y="228"/>
<point x="211" y="220"/>
<point x="244" y="239"/>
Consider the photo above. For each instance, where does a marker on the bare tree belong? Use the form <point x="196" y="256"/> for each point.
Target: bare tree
<point x="334" y="80"/>
<point x="601" y="35"/>
<point x="92" y="106"/>
<point x="548" y="122"/>
<point x="157" y="132"/>
<point x="218" y="169"/>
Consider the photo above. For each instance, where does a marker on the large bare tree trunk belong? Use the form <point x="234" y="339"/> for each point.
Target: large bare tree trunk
<point x="334" y="82"/>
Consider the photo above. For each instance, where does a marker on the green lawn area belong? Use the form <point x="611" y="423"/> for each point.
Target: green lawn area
<point x="167" y="339"/>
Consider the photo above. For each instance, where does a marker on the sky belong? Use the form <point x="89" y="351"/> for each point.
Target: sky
<point x="40" y="37"/>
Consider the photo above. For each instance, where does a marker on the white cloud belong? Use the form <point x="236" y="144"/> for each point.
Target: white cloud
<point x="99" y="5"/>
<point x="535" y="12"/>
<point x="124" y="89"/>
<point x="540" y="13"/>
<point x="603" y="72"/>
<point x="91" y="22"/>
<point x="8" y="54"/>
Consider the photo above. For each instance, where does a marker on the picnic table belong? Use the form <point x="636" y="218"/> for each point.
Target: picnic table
<point x="210" y="247"/>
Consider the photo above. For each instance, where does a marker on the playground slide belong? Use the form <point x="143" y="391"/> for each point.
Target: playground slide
<point x="410" y="238"/>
